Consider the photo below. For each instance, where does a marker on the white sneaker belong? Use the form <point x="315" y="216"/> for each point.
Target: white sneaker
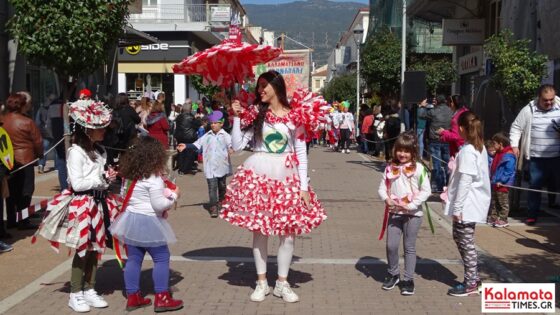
<point x="261" y="291"/>
<point x="93" y="299"/>
<point x="283" y="290"/>
<point x="78" y="303"/>
<point x="347" y="151"/>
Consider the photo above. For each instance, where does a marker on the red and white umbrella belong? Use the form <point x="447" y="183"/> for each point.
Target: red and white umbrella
<point x="227" y="63"/>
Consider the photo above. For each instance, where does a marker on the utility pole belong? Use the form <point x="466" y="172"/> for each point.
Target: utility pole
<point x="403" y="52"/>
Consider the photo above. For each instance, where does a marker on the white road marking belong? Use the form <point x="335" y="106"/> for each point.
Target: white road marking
<point x="299" y="261"/>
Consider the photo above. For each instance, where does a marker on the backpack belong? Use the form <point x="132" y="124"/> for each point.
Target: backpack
<point x="117" y="119"/>
<point x="392" y="127"/>
<point x="123" y="129"/>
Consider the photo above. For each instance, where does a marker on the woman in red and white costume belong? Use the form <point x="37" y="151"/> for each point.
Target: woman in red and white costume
<point x="269" y="194"/>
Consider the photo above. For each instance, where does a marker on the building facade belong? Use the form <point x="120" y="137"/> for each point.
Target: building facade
<point x="343" y="57"/>
<point x="182" y="27"/>
<point x="468" y="23"/>
<point x="318" y="78"/>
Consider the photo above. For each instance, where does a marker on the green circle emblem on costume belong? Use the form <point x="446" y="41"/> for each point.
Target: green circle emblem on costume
<point x="275" y="141"/>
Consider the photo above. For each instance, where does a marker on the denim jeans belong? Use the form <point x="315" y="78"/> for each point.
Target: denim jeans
<point x="364" y="143"/>
<point x="439" y="151"/>
<point x="541" y="170"/>
<point x="46" y="146"/>
<point x="59" y="163"/>
<point x="216" y="189"/>
<point x="420" y="135"/>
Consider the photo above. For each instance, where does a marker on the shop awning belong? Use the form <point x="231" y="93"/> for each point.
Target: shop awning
<point x="432" y="10"/>
<point x="133" y="37"/>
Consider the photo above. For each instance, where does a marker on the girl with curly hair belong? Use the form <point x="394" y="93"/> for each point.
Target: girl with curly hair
<point x="143" y="225"/>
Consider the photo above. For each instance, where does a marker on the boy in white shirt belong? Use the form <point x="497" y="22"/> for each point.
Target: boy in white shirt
<point x="216" y="147"/>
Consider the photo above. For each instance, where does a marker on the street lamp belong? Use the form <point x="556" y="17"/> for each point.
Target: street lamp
<point x="358" y="35"/>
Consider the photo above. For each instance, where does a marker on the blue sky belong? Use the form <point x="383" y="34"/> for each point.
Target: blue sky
<point x="286" y="1"/>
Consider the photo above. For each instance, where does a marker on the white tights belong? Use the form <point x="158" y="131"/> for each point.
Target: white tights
<point x="285" y="253"/>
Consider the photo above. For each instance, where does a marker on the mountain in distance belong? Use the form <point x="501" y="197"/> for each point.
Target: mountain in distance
<point x="318" y="24"/>
<point x="243" y="2"/>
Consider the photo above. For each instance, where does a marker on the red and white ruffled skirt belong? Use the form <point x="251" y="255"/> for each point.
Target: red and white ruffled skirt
<point x="264" y="196"/>
<point x="78" y="221"/>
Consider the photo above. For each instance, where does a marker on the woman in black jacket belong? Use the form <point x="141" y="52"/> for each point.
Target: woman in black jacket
<point x="123" y="127"/>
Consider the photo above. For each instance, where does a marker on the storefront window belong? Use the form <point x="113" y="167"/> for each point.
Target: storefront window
<point x="140" y="83"/>
<point x="41" y="83"/>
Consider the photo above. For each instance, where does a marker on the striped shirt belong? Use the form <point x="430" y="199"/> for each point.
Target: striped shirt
<point x="545" y="141"/>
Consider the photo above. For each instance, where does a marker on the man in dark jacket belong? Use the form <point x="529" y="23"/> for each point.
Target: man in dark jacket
<point x="438" y="117"/>
<point x="186" y="126"/>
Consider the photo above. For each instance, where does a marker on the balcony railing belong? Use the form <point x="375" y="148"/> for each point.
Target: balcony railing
<point x="181" y="13"/>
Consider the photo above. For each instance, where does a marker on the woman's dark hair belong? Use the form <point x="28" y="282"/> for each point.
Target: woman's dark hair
<point x="144" y="158"/>
<point x="82" y="139"/>
<point x="408" y="142"/>
<point x="457" y="100"/>
<point x="389" y="106"/>
<point x="472" y="127"/>
<point x="275" y="79"/>
<point x="15" y="102"/>
<point x="121" y="101"/>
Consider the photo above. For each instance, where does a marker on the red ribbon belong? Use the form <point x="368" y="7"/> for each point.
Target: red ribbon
<point x="386" y="215"/>
<point x="123" y="208"/>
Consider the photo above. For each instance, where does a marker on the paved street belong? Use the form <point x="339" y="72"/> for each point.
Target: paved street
<point x="337" y="269"/>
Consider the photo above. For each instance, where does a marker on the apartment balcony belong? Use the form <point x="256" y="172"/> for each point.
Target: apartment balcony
<point x="164" y="17"/>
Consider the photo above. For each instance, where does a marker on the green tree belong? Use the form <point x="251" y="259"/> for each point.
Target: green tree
<point x="440" y="73"/>
<point x="341" y="88"/>
<point x="70" y="37"/>
<point x="198" y="84"/>
<point x="518" y="69"/>
<point x="381" y="62"/>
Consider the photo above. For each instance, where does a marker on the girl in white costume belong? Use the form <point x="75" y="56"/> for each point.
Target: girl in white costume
<point x="269" y="194"/>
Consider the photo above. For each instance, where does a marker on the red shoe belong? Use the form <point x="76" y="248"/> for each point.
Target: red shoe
<point x="530" y="221"/>
<point x="135" y="301"/>
<point x="164" y="302"/>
